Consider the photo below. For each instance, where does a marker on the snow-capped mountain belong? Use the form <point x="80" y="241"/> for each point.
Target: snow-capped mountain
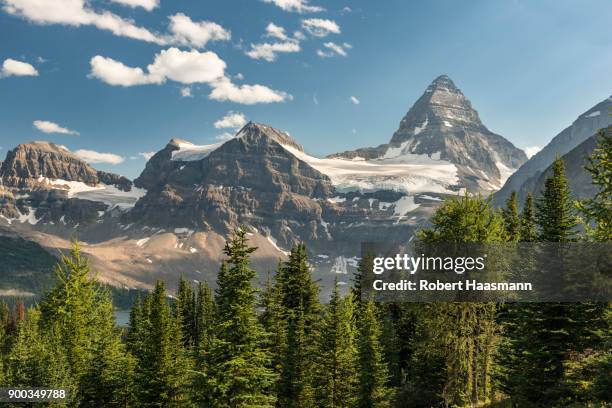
<point x="43" y="183"/>
<point x="524" y="180"/>
<point x="443" y="127"/>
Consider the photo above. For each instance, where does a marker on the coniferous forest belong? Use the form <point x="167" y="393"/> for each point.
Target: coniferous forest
<point x="281" y="346"/>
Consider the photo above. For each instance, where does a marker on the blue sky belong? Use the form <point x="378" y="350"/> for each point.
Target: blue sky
<point x="529" y="68"/>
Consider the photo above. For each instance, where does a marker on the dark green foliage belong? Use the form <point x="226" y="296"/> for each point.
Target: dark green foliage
<point x="372" y="370"/>
<point x="299" y="314"/>
<point x="555" y="213"/>
<point x="528" y="232"/>
<point x="512" y="221"/>
<point x="156" y="341"/>
<point x="336" y="357"/>
<point x="598" y="210"/>
<point x="238" y="365"/>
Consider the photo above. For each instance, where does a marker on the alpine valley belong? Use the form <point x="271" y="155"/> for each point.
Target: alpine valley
<point x="172" y="220"/>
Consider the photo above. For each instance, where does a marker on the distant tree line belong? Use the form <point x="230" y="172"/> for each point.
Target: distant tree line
<point x="281" y="347"/>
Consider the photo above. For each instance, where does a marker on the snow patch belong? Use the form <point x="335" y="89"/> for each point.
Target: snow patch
<point x="593" y="114"/>
<point x="428" y="197"/>
<point x="191" y="152"/>
<point x="104" y="193"/>
<point x="419" y="129"/>
<point x="447" y="124"/>
<point x="403" y="206"/>
<point x="141" y="242"/>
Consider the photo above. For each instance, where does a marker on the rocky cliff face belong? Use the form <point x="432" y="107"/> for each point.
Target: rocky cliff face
<point x="442" y="124"/>
<point x="43" y="184"/>
<point x="251" y="179"/>
<point x="26" y="163"/>
<point x="584" y="127"/>
<point x="579" y="179"/>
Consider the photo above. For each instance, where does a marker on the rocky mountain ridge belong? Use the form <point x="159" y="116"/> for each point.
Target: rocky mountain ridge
<point x="585" y="126"/>
<point x="442" y="124"/>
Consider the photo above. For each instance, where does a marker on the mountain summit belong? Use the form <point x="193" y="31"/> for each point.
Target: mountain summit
<point x="443" y="125"/>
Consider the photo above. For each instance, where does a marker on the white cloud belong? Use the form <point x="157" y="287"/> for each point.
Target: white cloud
<point x="145" y="4"/>
<point x="196" y="34"/>
<point x="278" y="32"/>
<point x="333" y="49"/>
<point x="239" y="76"/>
<point x="347" y="9"/>
<point x="116" y="73"/>
<point x="225" y="90"/>
<point x="224" y="136"/>
<point x="11" y="67"/>
<point x="147" y="155"/>
<point x="299" y="6"/>
<point x="91" y="156"/>
<point x="51" y="127"/>
<point x="354" y="100"/>
<point x="268" y="52"/>
<point x="531" y="150"/>
<point x="320" y="27"/>
<point x="76" y="13"/>
<point x="231" y="120"/>
<point x="186" y="67"/>
<point x="186" y="92"/>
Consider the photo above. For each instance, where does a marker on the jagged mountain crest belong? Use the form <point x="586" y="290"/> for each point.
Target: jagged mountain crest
<point x="443" y="125"/>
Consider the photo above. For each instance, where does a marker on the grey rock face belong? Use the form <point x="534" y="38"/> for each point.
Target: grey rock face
<point x="23" y="188"/>
<point x="121" y="182"/>
<point x="585" y="126"/>
<point x="580" y="181"/>
<point x="443" y="122"/>
<point x="27" y="162"/>
<point x="250" y="179"/>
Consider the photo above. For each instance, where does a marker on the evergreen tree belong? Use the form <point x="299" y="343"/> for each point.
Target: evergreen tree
<point x="372" y="369"/>
<point x="204" y="317"/>
<point x="528" y="232"/>
<point x="512" y="221"/>
<point x="300" y="310"/>
<point x="335" y="377"/>
<point x="238" y="365"/>
<point x="37" y="358"/>
<point x="78" y="314"/>
<point x="185" y="312"/>
<point x="109" y="379"/>
<point x="540" y="338"/>
<point x="555" y="214"/>
<point x="462" y="335"/>
<point x="598" y="210"/>
<point x="161" y="375"/>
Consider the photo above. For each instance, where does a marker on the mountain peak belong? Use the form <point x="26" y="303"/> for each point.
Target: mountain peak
<point x="443" y="81"/>
<point x="253" y="129"/>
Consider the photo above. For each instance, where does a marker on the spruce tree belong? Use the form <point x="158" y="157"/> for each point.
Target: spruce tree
<point x="459" y="370"/>
<point x="539" y="338"/>
<point x="38" y="359"/>
<point x="161" y="375"/>
<point x="335" y="377"/>
<point x="555" y="213"/>
<point x="238" y="365"/>
<point x="598" y="210"/>
<point x="185" y="312"/>
<point x="528" y="232"/>
<point x="512" y="221"/>
<point x="78" y="313"/>
<point x="372" y="369"/>
<point x="300" y="310"/>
